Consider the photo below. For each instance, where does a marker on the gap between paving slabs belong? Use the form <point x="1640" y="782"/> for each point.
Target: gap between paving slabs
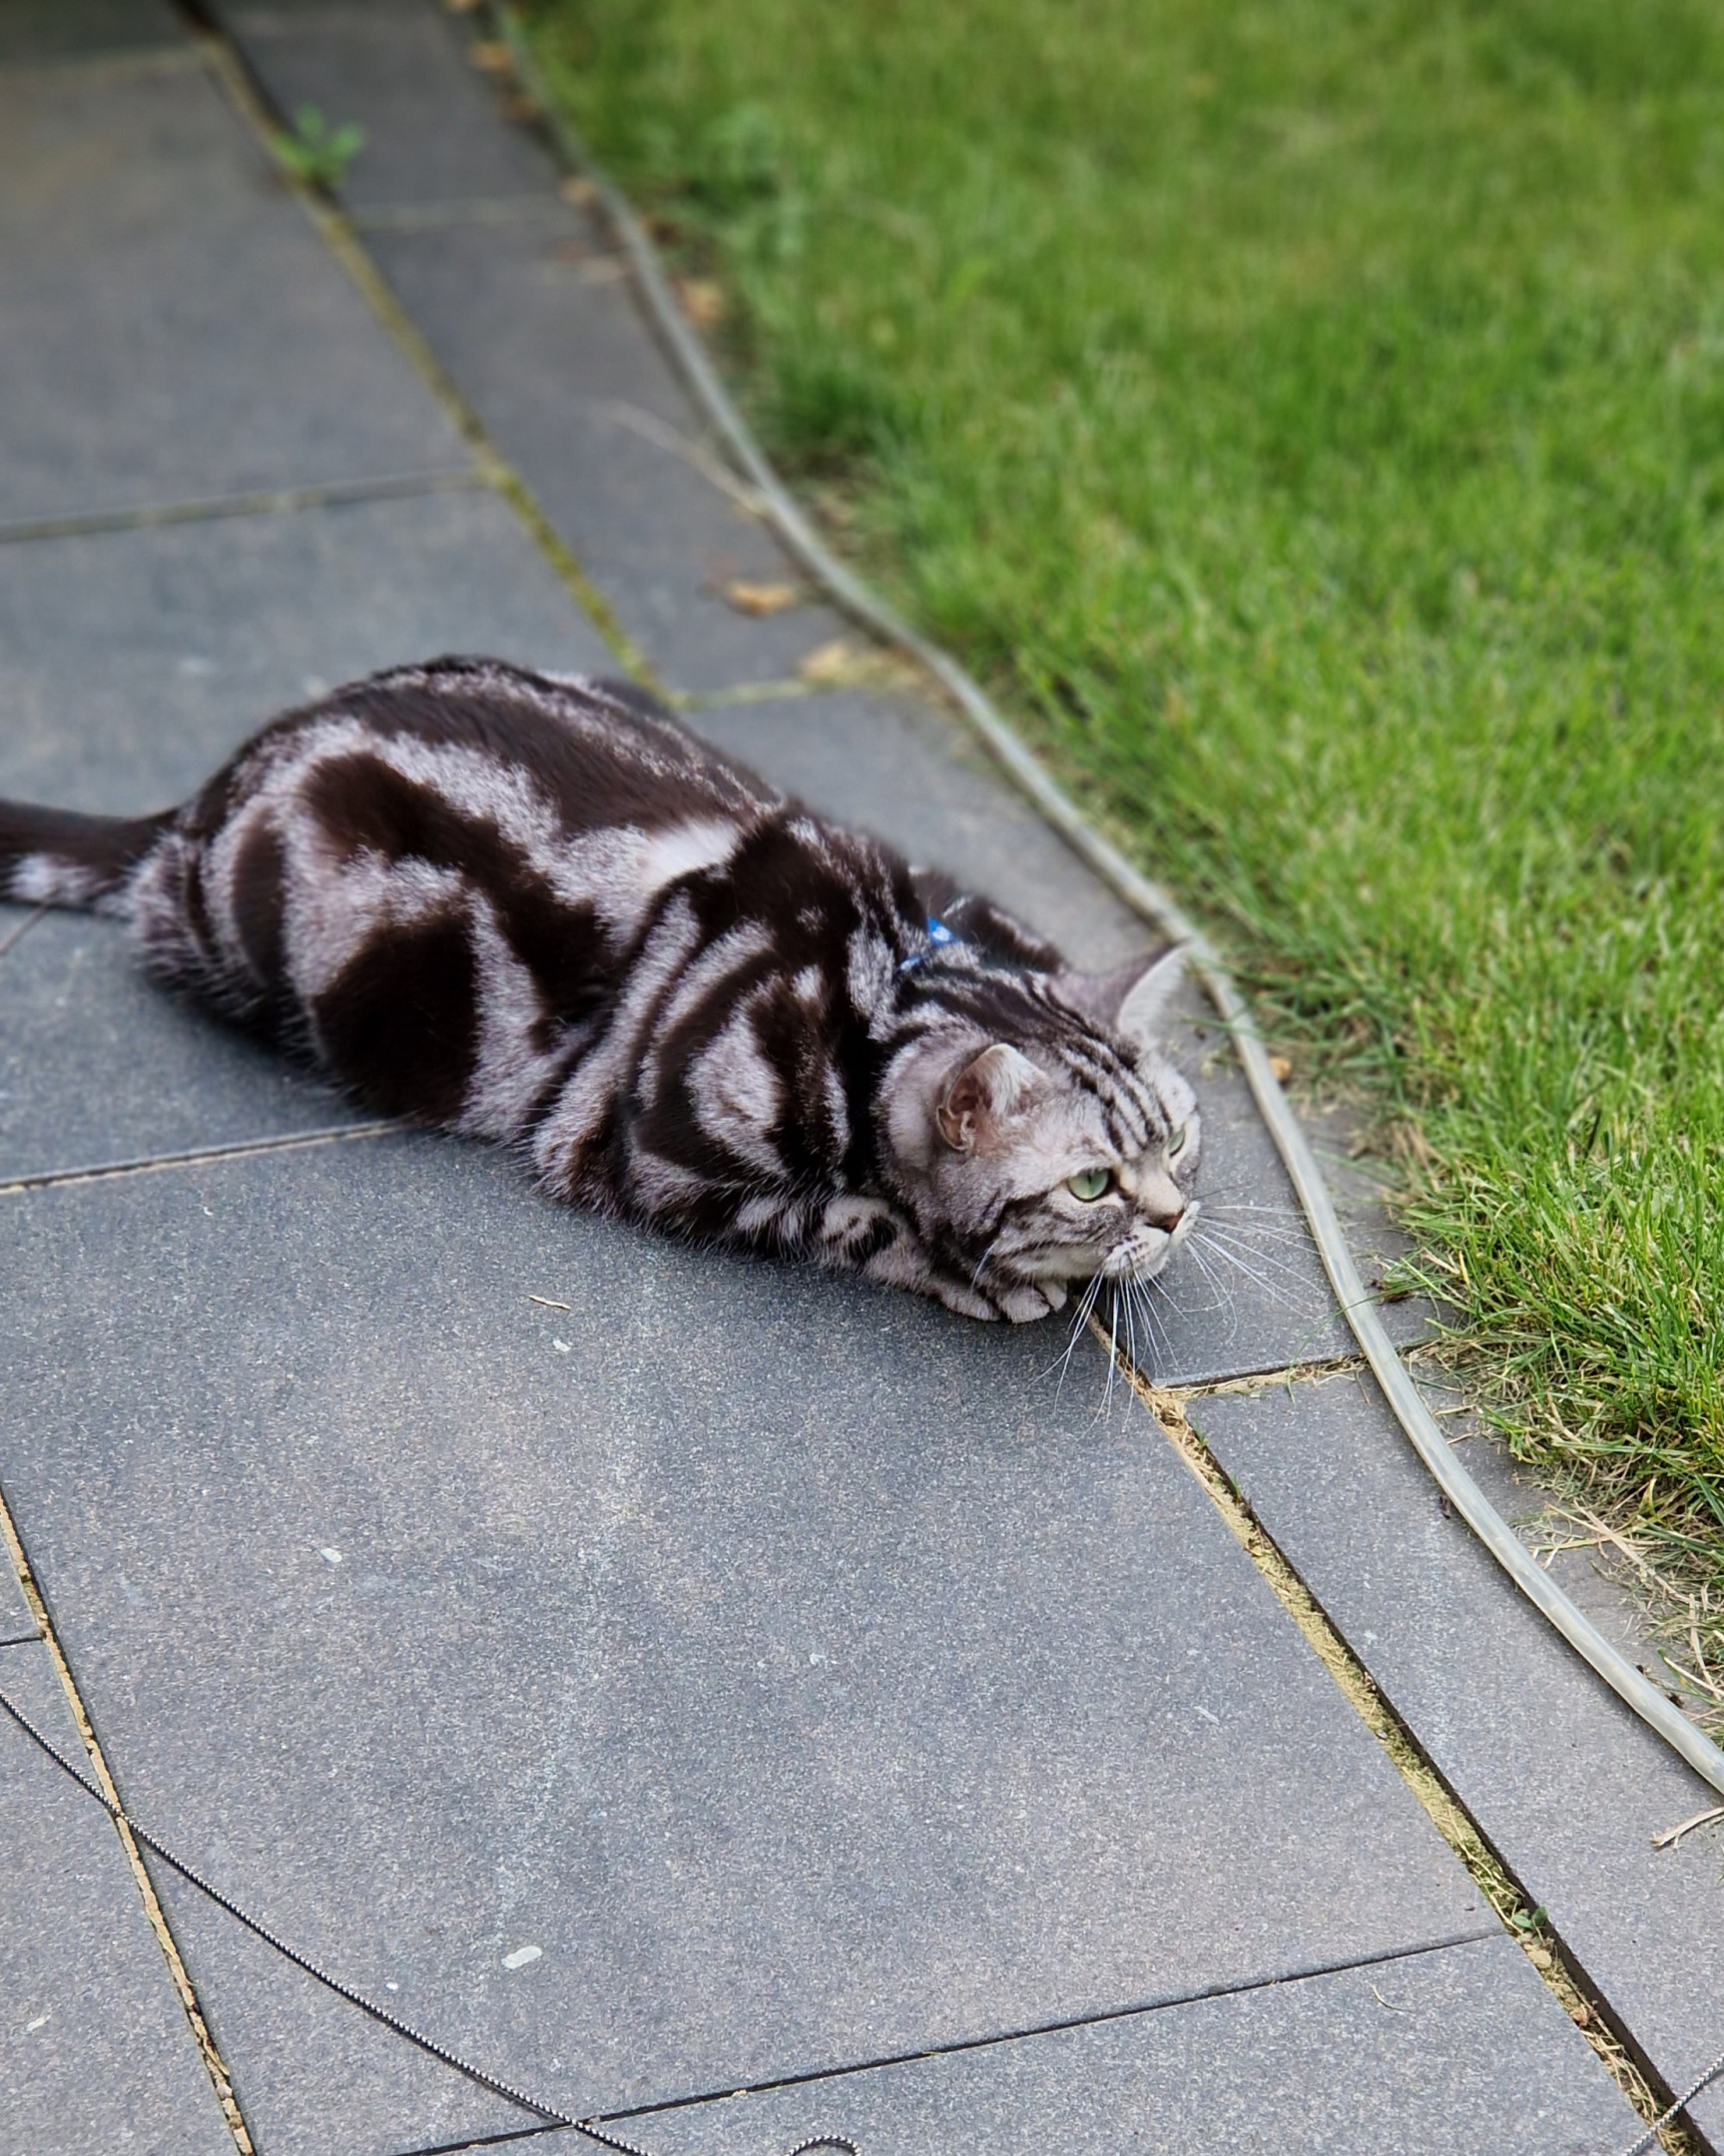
<point x="89" y="1738"/>
<point x="104" y="1791"/>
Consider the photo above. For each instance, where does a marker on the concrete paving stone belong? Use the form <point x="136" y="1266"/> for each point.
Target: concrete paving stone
<point x="578" y="396"/>
<point x="16" y="1621"/>
<point x="97" y="1066"/>
<point x="130" y="663"/>
<point x="1454" y="2053"/>
<point x="95" y="2050"/>
<point x="176" y="326"/>
<point x="794" y="1722"/>
<point x="435" y="129"/>
<point x="1568" y="1785"/>
<point x="36" y="30"/>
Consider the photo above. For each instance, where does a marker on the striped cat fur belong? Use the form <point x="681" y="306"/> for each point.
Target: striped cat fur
<point x="540" y="911"/>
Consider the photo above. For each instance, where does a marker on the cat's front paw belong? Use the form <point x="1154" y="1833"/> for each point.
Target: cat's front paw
<point x="964" y="1301"/>
<point x="1035" y="1299"/>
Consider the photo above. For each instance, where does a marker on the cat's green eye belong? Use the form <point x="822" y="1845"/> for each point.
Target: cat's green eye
<point x="1090" y="1183"/>
<point x="1176" y="1144"/>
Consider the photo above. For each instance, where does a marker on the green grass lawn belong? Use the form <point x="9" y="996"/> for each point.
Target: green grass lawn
<point x="1309" y="418"/>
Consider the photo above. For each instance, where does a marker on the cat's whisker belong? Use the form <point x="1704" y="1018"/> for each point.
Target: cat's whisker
<point x="1271" y="1229"/>
<point x="1218" y="1239"/>
<point x="1252" y="1197"/>
<point x="1270" y="1288"/>
<point x="1074" y="1333"/>
<point x="1157" y="1337"/>
<point x="1220" y="1299"/>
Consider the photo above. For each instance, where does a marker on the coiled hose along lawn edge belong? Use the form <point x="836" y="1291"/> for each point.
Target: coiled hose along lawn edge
<point x="1145" y="899"/>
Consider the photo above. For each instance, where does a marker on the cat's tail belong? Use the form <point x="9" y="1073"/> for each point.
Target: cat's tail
<point x="56" y="857"/>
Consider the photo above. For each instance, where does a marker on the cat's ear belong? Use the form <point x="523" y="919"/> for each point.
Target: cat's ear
<point x="1133" y="1000"/>
<point x="984" y="1096"/>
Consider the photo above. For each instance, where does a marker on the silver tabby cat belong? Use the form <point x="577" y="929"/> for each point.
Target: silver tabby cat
<point x="540" y="911"/>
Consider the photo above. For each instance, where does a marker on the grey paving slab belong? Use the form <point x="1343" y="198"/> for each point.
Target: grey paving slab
<point x="130" y="663"/>
<point x="1568" y="1785"/>
<point x="37" y="30"/>
<point x="1451" y="2053"/>
<point x="95" y="2052"/>
<point x="578" y="396"/>
<point x="98" y="1067"/>
<point x="174" y="326"/>
<point x="16" y="1621"/>
<point x="805" y="1674"/>
<point x="434" y="133"/>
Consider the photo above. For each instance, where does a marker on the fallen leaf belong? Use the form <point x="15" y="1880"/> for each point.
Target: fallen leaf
<point x="490" y="56"/>
<point x="702" y="301"/>
<point x="579" y="191"/>
<point x="750" y="598"/>
<point x="1282" y="1068"/>
<point x="831" y="665"/>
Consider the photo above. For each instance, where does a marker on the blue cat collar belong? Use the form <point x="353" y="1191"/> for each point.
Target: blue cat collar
<point x="938" y="934"/>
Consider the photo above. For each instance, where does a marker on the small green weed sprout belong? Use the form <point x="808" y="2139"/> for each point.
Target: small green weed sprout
<point x="317" y="152"/>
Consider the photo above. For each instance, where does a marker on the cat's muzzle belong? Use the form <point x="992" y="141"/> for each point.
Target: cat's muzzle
<point x="1146" y="1250"/>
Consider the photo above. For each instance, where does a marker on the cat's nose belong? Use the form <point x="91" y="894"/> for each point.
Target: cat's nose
<point x="1162" y="1203"/>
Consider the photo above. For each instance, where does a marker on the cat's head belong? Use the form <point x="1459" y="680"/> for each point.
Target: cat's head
<point x="1042" y="1133"/>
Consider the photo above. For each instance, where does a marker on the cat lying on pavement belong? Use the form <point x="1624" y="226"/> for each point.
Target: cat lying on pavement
<point x="540" y="911"/>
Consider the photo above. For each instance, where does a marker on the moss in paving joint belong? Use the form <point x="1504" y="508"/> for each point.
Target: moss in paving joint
<point x="214" y="2063"/>
<point x="1525" y="1922"/>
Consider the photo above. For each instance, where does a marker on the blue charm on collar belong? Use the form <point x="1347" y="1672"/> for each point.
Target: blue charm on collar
<point x="938" y="934"/>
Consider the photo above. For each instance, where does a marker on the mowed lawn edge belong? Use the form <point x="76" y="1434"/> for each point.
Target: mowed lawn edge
<point x="1310" y="422"/>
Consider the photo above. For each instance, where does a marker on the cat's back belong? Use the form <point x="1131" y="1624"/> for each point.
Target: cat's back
<point x="494" y="740"/>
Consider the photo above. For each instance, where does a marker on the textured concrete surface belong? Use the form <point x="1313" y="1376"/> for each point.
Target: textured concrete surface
<point x="577" y="394"/>
<point x="33" y="31"/>
<point x="1567" y="1784"/>
<point x="434" y="135"/>
<point x="1436" y="2056"/>
<point x="95" y="2050"/>
<point x="99" y="1067"/>
<point x="186" y="333"/>
<point x="794" y="1724"/>
<point x="132" y="661"/>
<point x="810" y="1676"/>
<point x="16" y="1622"/>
